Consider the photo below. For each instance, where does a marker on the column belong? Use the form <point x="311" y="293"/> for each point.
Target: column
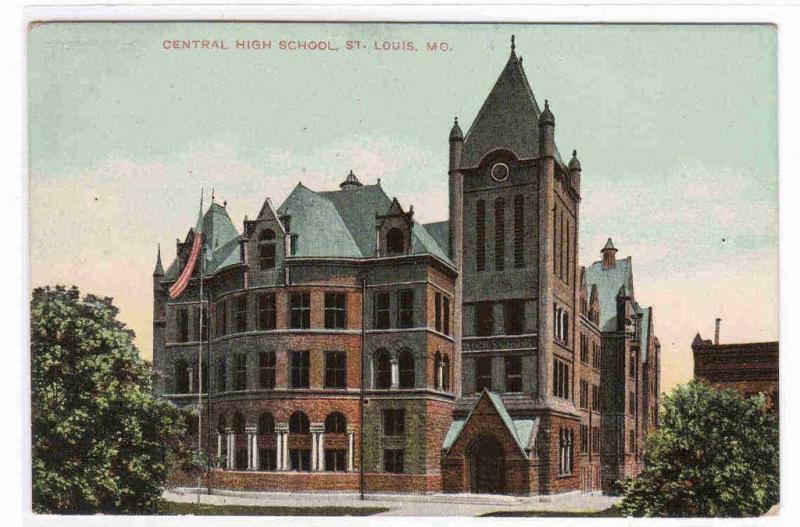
<point x="314" y="454"/>
<point x="231" y="447"/>
<point x="255" y="452"/>
<point x="321" y="450"/>
<point x="351" y="443"/>
<point x="280" y="449"/>
<point x="395" y="372"/>
<point x="251" y="432"/>
<point x="439" y="374"/>
<point x="218" y="463"/>
<point x="317" y="454"/>
<point x="286" y="464"/>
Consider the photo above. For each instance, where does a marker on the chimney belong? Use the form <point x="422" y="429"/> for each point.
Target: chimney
<point x="716" y="332"/>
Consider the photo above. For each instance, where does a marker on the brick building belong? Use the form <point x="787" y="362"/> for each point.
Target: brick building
<point x="486" y="357"/>
<point x="750" y="368"/>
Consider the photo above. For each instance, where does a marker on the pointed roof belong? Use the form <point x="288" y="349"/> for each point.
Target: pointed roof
<point x="455" y="132"/>
<point x="609" y="282"/>
<point x="608" y="246"/>
<point x="159" y="270"/>
<point x="574" y="164"/>
<point x="350" y="181"/>
<point x="509" y="118"/>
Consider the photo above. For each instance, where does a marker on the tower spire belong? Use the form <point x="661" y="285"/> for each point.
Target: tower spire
<point x="159" y="270"/>
<point x="513" y="46"/>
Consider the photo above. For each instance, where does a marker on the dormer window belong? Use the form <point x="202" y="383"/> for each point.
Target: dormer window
<point x="395" y="242"/>
<point x="266" y="249"/>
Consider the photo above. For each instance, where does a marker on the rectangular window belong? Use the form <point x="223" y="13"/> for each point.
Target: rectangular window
<point x="335" y="460"/>
<point x="565" y="452"/>
<point x="335" y="310"/>
<point x="266" y="256"/>
<point x="480" y="235"/>
<point x="499" y="234"/>
<point x="300" y="310"/>
<point x="267" y="458"/>
<point x="222" y="318"/>
<point x="446" y="315"/>
<point x="266" y="311"/>
<point x="394" y="421"/>
<point x="584" y="348"/>
<point x="382" y="310"/>
<point x="513" y="373"/>
<point x="200" y="313"/>
<point x="405" y="314"/>
<point x="584" y="399"/>
<point x="300" y="459"/>
<point x="393" y="460"/>
<point x="514" y="316"/>
<point x="335" y="369"/>
<point x="484" y="319"/>
<point x="584" y="439"/>
<point x="240" y="372"/>
<point x="595" y="439"/>
<point x="437" y="312"/>
<point x="561" y="382"/>
<point x="519" y="231"/>
<point x="182" y="324"/>
<point x="483" y="374"/>
<point x="596" y="358"/>
<point x="299" y="369"/>
<point x="595" y="398"/>
<point x="266" y="370"/>
<point x="240" y="305"/>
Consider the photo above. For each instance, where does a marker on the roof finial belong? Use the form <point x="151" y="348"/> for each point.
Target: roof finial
<point x="512" y="43"/>
<point x="574" y="152"/>
<point x="212" y="194"/>
<point x="159" y="270"/>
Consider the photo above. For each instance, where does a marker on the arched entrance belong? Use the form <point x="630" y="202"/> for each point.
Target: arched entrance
<point x="486" y="466"/>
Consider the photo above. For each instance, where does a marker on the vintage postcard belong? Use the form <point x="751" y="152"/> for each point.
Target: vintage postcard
<point x="415" y="269"/>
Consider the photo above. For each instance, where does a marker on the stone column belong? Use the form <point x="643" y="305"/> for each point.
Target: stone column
<point x="321" y="448"/>
<point x="316" y="430"/>
<point x="231" y="462"/>
<point x="351" y="444"/>
<point x="439" y="375"/>
<point x="219" y="450"/>
<point x="395" y="370"/>
<point x="255" y="452"/>
<point x="280" y="446"/>
<point x="251" y="432"/>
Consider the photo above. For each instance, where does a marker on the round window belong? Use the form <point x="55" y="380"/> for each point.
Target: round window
<point x="499" y="172"/>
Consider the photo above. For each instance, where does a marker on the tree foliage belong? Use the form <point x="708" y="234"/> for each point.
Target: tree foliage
<point x="101" y="441"/>
<point x="715" y="454"/>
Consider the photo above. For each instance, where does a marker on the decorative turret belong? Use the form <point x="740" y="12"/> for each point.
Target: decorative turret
<point x="159" y="270"/>
<point x="575" y="172"/>
<point x="350" y="182"/>
<point x="609" y="253"/>
<point x="547" y="124"/>
<point x="456" y="145"/>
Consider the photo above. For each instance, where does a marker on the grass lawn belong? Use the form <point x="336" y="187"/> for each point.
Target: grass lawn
<point x="171" y="507"/>
<point x="610" y="512"/>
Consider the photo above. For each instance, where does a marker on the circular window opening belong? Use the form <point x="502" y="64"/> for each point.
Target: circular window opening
<point x="499" y="172"/>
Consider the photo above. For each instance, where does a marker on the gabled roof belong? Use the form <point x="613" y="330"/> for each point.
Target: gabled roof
<point x="523" y="431"/>
<point x="440" y="231"/>
<point x="509" y="118"/>
<point x="609" y="282"/>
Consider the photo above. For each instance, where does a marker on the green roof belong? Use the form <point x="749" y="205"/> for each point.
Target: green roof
<point x="609" y="282"/>
<point x="440" y="231"/>
<point x="644" y="334"/>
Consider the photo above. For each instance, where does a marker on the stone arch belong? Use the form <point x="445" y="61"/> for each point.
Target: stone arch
<point x="335" y="423"/>
<point x="486" y="457"/>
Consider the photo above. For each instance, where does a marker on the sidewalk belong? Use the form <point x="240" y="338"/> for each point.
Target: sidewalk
<point x="404" y="504"/>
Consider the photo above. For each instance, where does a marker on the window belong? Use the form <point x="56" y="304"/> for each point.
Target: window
<point x="596" y="356"/>
<point x="631" y="403"/>
<point x="513" y="373"/>
<point x="484" y="319"/>
<point x="514" y="316"/>
<point x="565" y="452"/>
<point x="300" y="459"/>
<point x="405" y="315"/>
<point x="584" y="439"/>
<point x="238" y="424"/>
<point x="335" y="423"/>
<point x="394" y="421"/>
<point x="266" y="250"/>
<point x="480" y="235"/>
<point x="299" y="369"/>
<point x="221" y="424"/>
<point x="222" y="318"/>
<point x="499" y="234"/>
<point x="446" y="373"/>
<point x="561" y="384"/>
<point x="300" y="306"/>
<point x="393" y="460"/>
<point x="437" y="371"/>
<point x="584" y="348"/>
<point x="181" y="377"/>
<point x="595" y="398"/>
<point x="483" y="373"/>
<point x="437" y="310"/>
<point x="298" y="423"/>
<point x="240" y="305"/>
<point x="266" y="423"/>
<point x="335" y="310"/>
<point x="595" y="439"/>
<point x="584" y="395"/>
<point x="406" y="364"/>
<point x="395" y="242"/>
<point x="561" y="325"/>
<point x="266" y="370"/>
<point x="519" y="231"/>
<point x="335" y="369"/>
<point x="446" y="315"/>
<point x="335" y="460"/>
<point x="183" y="324"/>
<point x="240" y="372"/>
<point x="222" y="376"/>
<point x="383" y="370"/>
<point x="266" y="311"/>
<point x="382" y="310"/>
<point x="267" y="458"/>
<point x="201" y="330"/>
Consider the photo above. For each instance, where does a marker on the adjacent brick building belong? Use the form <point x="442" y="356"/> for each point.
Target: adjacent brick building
<point x="468" y="355"/>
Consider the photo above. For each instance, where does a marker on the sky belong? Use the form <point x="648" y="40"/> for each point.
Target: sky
<point x="675" y="127"/>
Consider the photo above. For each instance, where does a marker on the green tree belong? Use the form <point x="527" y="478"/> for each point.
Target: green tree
<point x="101" y="441"/>
<point x="715" y="454"/>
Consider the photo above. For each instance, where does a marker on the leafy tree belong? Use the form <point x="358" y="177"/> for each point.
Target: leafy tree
<point x="101" y="441"/>
<point x="716" y="454"/>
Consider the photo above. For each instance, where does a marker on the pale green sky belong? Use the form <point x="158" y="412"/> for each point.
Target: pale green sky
<point x="675" y="126"/>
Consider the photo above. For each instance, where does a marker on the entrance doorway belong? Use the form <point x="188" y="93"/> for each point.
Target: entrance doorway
<point x="487" y="466"/>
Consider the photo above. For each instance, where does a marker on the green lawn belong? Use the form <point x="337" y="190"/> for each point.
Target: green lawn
<point x="171" y="507"/>
<point x="611" y="512"/>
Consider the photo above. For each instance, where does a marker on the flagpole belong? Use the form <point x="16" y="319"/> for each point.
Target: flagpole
<point x="200" y="354"/>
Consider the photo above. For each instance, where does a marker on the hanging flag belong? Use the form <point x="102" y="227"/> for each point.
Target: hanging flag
<point x="183" y="280"/>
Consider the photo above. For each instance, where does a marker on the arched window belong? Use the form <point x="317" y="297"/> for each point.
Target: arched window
<point x="181" y="377"/>
<point x="437" y="371"/>
<point x="499" y="234"/>
<point x="266" y="423"/>
<point x="383" y="370"/>
<point x="266" y="249"/>
<point x="406" y="364"/>
<point x="480" y="235"/>
<point x="221" y="424"/>
<point x="298" y="423"/>
<point x="238" y="424"/>
<point x="335" y="423"/>
<point x="446" y="373"/>
<point x="519" y="231"/>
<point x="395" y="243"/>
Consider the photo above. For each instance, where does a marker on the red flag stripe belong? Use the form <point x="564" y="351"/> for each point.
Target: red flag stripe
<point x="183" y="280"/>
